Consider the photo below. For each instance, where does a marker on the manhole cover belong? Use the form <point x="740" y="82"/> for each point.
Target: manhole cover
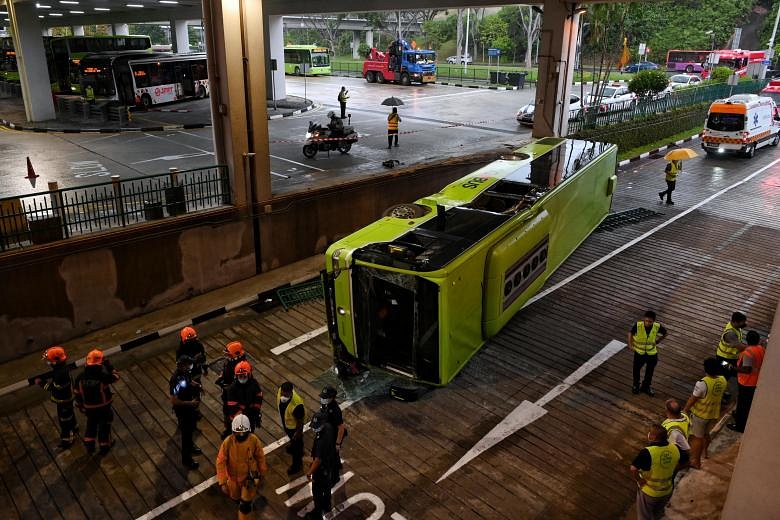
<point x="624" y="218"/>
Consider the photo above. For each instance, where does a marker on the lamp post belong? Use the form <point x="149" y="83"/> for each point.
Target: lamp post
<point x="711" y="34"/>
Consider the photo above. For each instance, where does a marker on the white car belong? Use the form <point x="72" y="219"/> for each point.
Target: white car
<point x="615" y="96"/>
<point x="679" y="81"/>
<point x="525" y="116"/>
<point x="459" y="59"/>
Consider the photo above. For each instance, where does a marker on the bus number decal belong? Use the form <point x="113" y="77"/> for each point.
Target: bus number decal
<point x="474" y="183"/>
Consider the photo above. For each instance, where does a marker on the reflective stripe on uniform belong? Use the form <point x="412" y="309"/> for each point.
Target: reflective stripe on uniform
<point x="708" y="407"/>
<point x="644" y="343"/>
<point x="664" y="460"/>
<point x="724" y="349"/>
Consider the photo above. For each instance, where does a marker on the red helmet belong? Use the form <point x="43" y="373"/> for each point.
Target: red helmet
<point x="188" y="333"/>
<point x="95" y="357"/>
<point x="234" y="349"/>
<point x="243" y="368"/>
<point x="55" y="354"/>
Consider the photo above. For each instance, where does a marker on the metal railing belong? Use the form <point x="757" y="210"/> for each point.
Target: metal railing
<point x="444" y="72"/>
<point x="59" y="214"/>
<point x="628" y="110"/>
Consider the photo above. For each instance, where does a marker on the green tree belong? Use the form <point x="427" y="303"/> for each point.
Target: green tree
<point x="648" y="82"/>
<point x="495" y="33"/>
<point x="439" y="31"/>
<point x="720" y="74"/>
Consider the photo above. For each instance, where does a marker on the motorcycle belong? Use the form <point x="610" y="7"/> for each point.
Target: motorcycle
<point x="323" y="139"/>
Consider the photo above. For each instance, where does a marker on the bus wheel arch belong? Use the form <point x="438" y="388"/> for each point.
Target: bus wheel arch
<point x="297" y="71"/>
<point x="146" y="101"/>
<point x="689" y="69"/>
<point x="201" y="93"/>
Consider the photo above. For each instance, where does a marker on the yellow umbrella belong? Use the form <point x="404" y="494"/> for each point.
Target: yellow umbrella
<point x="680" y="154"/>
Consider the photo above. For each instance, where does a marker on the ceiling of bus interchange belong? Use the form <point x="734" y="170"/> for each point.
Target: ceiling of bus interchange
<point x="89" y="12"/>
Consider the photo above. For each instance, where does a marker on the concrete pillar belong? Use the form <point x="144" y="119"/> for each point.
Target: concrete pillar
<point x="276" y="87"/>
<point x="558" y="40"/>
<point x="31" y="58"/>
<point x="78" y="30"/>
<point x="180" y="36"/>
<point x="121" y="29"/>
<point x="355" y="44"/>
<point x="370" y="38"/>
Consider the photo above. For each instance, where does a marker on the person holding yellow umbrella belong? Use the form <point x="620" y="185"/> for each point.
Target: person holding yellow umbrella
<point x="673" y="169"/>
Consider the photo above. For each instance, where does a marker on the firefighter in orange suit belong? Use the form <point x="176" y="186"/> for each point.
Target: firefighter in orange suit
<point x="92" y="390"/>
<point x="59" y="384"/>
<point x="241" y="466"/>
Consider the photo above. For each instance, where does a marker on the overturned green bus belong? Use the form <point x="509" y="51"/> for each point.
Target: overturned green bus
<point x="420" y="291"/>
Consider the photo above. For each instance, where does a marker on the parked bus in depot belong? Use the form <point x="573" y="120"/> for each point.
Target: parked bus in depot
<point x="686" y="61"/>
<point x="310" y="59"/>
<point x="9" y="70"/>
<point x="67" y="52"/>
<point x="418" y="292"/>
<point x="145" y="80"/>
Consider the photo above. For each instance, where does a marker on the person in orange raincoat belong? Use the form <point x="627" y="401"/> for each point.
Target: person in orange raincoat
<point x="241" y="465"/>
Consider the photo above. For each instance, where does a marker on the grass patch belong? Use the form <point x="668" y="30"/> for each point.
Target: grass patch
<point x="634" y="152"/>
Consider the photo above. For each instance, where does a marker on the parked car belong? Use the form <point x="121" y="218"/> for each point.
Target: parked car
<point x="642" y="65"/>
<point x="679" y="81"/>
<point x="615" y="96"/>
<point x="459" y="59"/>
<point x="525" y="116"/>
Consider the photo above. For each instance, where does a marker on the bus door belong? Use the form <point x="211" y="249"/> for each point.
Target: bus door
<point x="184" y="78"/>
<point x="125" y="92"/>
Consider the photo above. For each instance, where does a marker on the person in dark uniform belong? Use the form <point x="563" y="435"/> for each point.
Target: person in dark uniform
<point x="245" y="396"/>
<point x="336" y="420"/>
<point x="92" y="393"/>
<point x="191" y="346"/>
<point x="343" y="97"/>
<point x="185" y="398"/>
<point x="59" y="384"/>
<point x="323" y="464"/>
<point x="234" y="354"/>
<point x="293" y="414"/>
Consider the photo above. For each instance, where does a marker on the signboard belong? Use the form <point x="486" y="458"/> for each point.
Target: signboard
<point x="642" y="47"/>
<point x="714" y="58"/>
<point x="494" y="52"/>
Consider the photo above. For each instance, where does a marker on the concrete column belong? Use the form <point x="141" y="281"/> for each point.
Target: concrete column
<point x="121" y="29"/>
<point x="558" y="40"/>
<point x="370" y="38"/>
<point x="78" y="30"/>
<point x="180" y="36"/>
<point x="31" y="58"/>
<point x="276" y="87"/>
<point x="355" y="44"/>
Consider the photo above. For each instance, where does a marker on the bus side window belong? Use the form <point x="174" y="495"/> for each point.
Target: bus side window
<point x="141" y="74"/>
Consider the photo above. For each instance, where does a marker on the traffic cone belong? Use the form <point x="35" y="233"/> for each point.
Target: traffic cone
<point x="31" y="175"/>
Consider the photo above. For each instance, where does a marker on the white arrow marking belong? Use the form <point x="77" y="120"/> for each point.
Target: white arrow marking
<point x="527" y="412"/>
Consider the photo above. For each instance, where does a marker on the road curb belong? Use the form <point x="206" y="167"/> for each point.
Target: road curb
<point x="489" y="87"/>
<point x="661" y="149"/>
<point x="267" y="299"/>
<point x="296" y="112"/>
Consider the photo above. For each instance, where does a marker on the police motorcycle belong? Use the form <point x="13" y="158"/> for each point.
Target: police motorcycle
<point x="334" y="136"/>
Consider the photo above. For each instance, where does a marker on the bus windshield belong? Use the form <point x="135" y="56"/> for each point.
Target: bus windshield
<point x="320" y="59"/>
<point x="726" y="122"/>
<point x="96" y="73"/>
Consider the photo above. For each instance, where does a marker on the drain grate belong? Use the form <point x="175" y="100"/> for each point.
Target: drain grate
<point x="625" y="218"/>
<point x="301" y="293"/>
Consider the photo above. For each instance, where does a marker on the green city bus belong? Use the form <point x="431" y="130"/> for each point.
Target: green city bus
<point x="418" y="292"/>
<point x="9" y="70"/>
<point x="309" y="59"/>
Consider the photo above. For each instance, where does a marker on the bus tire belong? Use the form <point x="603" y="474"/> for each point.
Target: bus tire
<point x="371" y="76"/>
<point x="406" y="211"/>
<point x="405" y="81"/>
<point x="297" y="71"/>
<point x="309" y="150"/>
<point x="146" y="101"/>
<point x="689" y="69"/>
<point x="201" y="92"/>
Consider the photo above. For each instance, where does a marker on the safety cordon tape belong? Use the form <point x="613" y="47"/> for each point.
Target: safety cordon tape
<point x="268" y="299"/>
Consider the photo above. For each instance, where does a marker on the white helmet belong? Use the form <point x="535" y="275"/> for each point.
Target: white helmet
<point x="240" y="424"/>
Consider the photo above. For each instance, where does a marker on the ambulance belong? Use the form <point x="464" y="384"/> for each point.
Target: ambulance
<point x="740" y="124"/>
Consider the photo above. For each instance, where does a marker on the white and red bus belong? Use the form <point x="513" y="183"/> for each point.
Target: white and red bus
<point x="691" y="61"/>
<point x="143" y="79"/>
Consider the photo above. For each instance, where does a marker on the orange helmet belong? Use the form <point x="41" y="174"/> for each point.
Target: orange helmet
<point x="234" y="349"/>
<point x="243" y="368"/>
<point x="188" y="333"/>
<point x="95" y="357"/>
<point x="54" y="354"/>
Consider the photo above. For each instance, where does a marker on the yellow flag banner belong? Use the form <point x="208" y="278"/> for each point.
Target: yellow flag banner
<point x="625" y="56"/>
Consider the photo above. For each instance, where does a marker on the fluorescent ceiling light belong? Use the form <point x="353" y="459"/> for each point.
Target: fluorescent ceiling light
<point x="169" y="1"/>
<point x="77" y="12"/>
<point x="41" y="6"/>
<point x="55" y="14"/>
<point x="134" y="5"/>
<point x="102" y="9"/>
<point x="3" y="12"/>
<point x="69" y="2"/>
<point x="40" y="16"/>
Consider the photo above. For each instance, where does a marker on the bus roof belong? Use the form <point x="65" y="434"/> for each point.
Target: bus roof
<point x="111" y="56"/>
<point x="145" y="58"/>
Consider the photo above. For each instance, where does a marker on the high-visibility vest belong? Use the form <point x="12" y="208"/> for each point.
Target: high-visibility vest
<point x="672" y="171"/>
<point x="724" y="349"/>
<point x="661" y="475"/>
<point x="392" y="121"/>
<point x="682" y="424"/>
<point x="343" y="97"/>
<point x="289" y="421"/>
<point x="644" y="343"/>
<point x="757" y="353"/>
<point x="708" y="407"/>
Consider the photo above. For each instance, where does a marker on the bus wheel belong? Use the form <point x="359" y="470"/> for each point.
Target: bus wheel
<point x="406" y="211"/>
<point x="146" y="101"/>
<point x="309" y="150"/>
<point x="405" y="81"/>
<point x="297" y="71"/>
<point x="371" y="76"/>
<point x="689" y="69"/>
<point x="201" y="92"/>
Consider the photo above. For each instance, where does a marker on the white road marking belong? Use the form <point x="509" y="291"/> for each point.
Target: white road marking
<point x="469" y="92"/>
<point x="645" y="235"/>
<point x="284" y="347"/>
<point x="379" y="506"/>
<point x="397" y="516"/>
<point x="207" y="152"/>
<point x="173" y="157"/>
<point x="294" y="162"/>
<point x="208" y="137"/>
<point x="527" y="412"/>
<point x="283" y="176"/>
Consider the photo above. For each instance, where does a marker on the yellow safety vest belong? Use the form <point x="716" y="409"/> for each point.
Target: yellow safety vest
<point x="289" y="421"/>
<point x="724" y="349"/>
<point x="672" y="171"/>
<point x="343" y="97"/>
<point x="681" y="424"/>
<point x="392" y="121"/>
<point x="644" y="343"/>
<point x="661" y="475"/>
<point x="708" y="407"/>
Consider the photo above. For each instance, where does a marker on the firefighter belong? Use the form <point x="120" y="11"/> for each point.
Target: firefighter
<point x="234" y="354"/>
<point x="241" y="466"/>
<point x="191" y="346"/>
<point x="59" y="384"/>
<point x="335" y="419"/>
<point x="185" y="398"/>
<point x="293" y="415"/>
<point x="92" y="391"/>
<point x="323" y="464"/>
<point x="245" y="396"/>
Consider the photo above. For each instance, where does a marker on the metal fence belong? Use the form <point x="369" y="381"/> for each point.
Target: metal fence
<point x="450" y="73"/>
<point x="58" y="214"/>
<point x="629" y="110"/>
